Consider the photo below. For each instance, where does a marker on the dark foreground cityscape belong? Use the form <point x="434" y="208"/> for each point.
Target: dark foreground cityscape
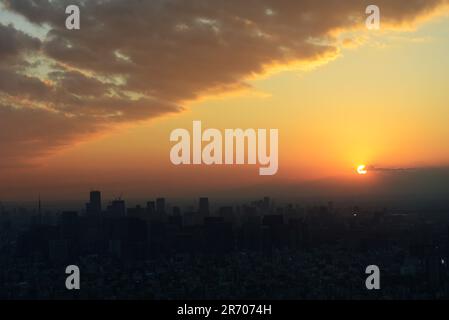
<point x="255" y="251"/>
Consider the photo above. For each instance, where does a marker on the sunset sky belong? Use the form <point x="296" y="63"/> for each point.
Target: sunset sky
<point x="94" y="108"/>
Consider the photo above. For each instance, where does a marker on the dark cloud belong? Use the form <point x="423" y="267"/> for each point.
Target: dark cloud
<point x="15" y="84"/>
<point x="133" y="60"/>
<point x="76" y="83"/>
<point x="27" y="133"/>
<point x="13" y="44"/>
<point x="392" y="170"/>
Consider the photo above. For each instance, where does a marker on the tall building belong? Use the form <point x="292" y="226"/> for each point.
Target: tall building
<point x="37" y="219"/>
<point x="227" y="213"/>
<point x="266" y="204"/>
<point x="176" y="211"/>
<point x="39" y="209"/>
<point x="69" y="225"/>
<point x="151" y="207"/>
<point x="94" y="205"/>
<point x="204" y="207"/>
<point x="137" y="212"/>
<point x="117" y="208"/>
<point x="95" y="201"/>
<point x="160" y="205"/>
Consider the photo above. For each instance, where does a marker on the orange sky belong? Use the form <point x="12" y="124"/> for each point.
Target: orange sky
<point x="380" y="101"/>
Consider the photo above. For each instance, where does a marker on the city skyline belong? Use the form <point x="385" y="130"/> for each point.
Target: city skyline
<point x="157" y="252"/>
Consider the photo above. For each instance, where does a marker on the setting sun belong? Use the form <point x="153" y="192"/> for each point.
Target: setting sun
<point x="362" y="170"/>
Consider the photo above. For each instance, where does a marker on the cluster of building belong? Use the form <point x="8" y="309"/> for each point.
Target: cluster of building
<point x="252" y="251"/>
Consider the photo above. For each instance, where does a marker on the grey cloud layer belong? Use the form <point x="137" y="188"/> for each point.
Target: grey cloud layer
<point x="134" y="60"/>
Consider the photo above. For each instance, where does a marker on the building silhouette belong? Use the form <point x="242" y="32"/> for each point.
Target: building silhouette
<point x="160" y="205"/>
<point x="117" y="208"/>
<point x="204" y="209"/>
<point x="93" y="207"/>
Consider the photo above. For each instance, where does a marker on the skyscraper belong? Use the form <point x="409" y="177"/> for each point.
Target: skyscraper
<point x="94" y="205"/>
<point x="151" y="207"/>
<point x="160" y="205"/>
<point x="95" y="201"/>
<point x="117" y="208"/>
<point x="204" y="207"/>
<point x="266" y="204"/>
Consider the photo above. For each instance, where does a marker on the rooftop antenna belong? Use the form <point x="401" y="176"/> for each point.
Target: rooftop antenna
<point x="39" y="207"/>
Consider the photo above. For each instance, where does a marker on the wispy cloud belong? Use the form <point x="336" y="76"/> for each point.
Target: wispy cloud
<point x="394" y="169"/>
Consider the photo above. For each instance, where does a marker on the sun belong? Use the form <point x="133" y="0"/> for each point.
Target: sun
<point x="361" y="169"/>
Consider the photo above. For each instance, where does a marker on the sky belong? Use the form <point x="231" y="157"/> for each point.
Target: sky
<point x="93" y="108"/>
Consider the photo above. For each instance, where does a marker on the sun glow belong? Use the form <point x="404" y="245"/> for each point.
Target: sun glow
<point x="361" y="169"/>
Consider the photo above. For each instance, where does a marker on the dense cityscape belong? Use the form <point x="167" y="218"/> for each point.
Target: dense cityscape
<point x="260" y="250"/>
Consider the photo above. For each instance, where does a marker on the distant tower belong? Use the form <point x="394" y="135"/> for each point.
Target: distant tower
<point x="95" y="201"/>
<point x="37" y="220"/>
<point x="204" y="207"/>
<point x="39" y="207"/>
<point x="117" y="208"/>
<point x="176" y="211"/>
<point x="266" y="203"/>
<point x="330" y="207"/>
<point x="151" y="207"/>
<point x="93" y="207"/>
<point x="160" y="205"/>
